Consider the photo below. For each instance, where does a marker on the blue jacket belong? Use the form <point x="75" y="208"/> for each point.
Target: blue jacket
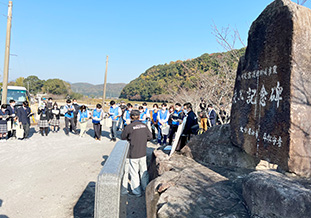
<point x="114" y="113"/>
<point x="69" y="114"/>
<point x="83" y="115"/>
<point x="97" y="115"/>
<point x="22" y="115"/>
<point x="177" y="116"/>
<point x="127" y="116"/>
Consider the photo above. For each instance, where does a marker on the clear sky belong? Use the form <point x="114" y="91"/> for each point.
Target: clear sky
<point x="70" y="39"/>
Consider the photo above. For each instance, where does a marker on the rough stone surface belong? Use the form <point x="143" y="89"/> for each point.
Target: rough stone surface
<point x="189" y="189"/>
<point x="215" y="148"/>
<point x="108" y="200"/>
<point x="271" y="108"/>
<point x="271" y="194"/>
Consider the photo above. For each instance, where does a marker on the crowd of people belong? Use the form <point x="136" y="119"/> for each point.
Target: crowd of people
<point x="139" y="125"/>
<point x="163" y="121"/>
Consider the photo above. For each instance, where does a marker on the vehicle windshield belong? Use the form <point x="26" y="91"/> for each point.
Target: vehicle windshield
<point x="17" y="95"/>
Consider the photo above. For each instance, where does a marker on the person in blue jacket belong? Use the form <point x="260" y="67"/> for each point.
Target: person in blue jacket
<point x="69" y="117"/>
<point x="177" y="118"/>
<point x="142" y="116"/>
<point x="97" y="116"/>
<point x="127" y="114"/>
<point x="115" y="114"/>
<point x="163" y="116"/>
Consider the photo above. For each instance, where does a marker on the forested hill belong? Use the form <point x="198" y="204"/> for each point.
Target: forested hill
<point x="155" y="83"/>
<point x="113" y="89"/>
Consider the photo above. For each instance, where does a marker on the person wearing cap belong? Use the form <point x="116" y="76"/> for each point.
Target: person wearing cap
<point x="137" y="134"/>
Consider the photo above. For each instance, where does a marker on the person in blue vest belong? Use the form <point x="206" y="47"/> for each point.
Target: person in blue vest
<point x="154" y="120"/>
<point x="177" y="118"/>
<point x="142" y="116"/>
<point x="69" y="117"/>
<point x="98" y="115"/>
<point x="127" y="114"/>
<point x="212" y="114"/>
<point x="83" y="117"/>
<point x="147" y="112"/>
<point x="115" y="114"/>
<point x="163" y="116"/>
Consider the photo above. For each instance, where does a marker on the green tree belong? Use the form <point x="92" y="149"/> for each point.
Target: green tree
<point x="55" y="86"/>
<point x="19" y="81"/>
<point x="35" y="84"/>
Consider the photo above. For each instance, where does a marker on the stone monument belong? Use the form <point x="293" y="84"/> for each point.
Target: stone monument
<point x="271" y="110"/>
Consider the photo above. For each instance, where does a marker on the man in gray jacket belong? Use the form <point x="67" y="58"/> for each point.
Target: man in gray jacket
<point x="137" y="134"/>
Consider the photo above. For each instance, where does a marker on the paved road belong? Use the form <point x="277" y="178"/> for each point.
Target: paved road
<point x="46" y="176"/>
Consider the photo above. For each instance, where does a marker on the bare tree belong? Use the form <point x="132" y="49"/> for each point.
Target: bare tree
<point x="215" y="87"/>
<point x="302" y="2"/>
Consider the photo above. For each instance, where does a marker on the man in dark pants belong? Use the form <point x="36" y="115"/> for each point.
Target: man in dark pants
<point x="212" y="115"/>
<point x="69" y="117"/>
<point x="177" y="118"/>
<point x="115" y="114"/>
<point x="191" y="126"/>
<point x="137" y="133"/>
<point x="75" y="113"/>
<point x="12" y="113"/>
<point x="23" y="114"/>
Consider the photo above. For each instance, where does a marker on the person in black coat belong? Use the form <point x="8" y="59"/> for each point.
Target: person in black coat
<point x="55" y="118"/>
<point x="191" y="126"/>
<point x="43" y="123"/>
<point x="212" y="115"/>
<point x="12" y="118"/>
<point x="23" y="114"/>
<point x="3" y="121"/>
<point x="75" y="113"/>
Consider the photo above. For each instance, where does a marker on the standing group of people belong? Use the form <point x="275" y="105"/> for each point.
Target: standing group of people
<point x="137" y="133"/>
<point x="14" y="118"/>
<point x="209" y="117"/>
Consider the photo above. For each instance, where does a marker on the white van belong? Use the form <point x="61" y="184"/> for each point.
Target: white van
<point x="17" y="93"/>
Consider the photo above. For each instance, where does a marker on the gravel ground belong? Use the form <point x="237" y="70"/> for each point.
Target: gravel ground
<point x="54" y="176"/>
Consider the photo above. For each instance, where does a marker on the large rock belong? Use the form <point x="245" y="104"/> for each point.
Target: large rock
<point x="214" y="147"/>
<point x="271" y="108"/>
<point x="189" y="189"/>
<point x="271" y="194"/>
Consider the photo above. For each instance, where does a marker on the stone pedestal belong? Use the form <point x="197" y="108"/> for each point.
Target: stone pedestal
<point x="271" y="109"/>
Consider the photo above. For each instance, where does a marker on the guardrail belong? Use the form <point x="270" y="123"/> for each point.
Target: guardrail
<point x="108" y="186"/>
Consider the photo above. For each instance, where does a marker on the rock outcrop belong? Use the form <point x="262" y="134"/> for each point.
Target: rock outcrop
<point x="271" y="104"/>
<point x="271" y="194"/>
<point x="215" y="148"/>
<point x="186" y="188"/>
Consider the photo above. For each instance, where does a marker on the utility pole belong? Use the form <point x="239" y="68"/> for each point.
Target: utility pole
<point x="7" y="55"/>
<point x="105" y="82"/>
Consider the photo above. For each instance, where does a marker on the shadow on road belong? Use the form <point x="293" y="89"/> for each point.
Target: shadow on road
<point x="84" y="208"/>
<point x="1" y="215"/>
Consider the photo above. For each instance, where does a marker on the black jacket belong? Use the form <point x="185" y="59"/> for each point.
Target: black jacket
<point x="137" y="134"/>
<point x="22" y="115"/>
<point x="44" y="114"/>
<point x="77" y="108"/>
<point x="191" y="121"/>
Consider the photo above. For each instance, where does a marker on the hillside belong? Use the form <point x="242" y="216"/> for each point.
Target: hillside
<point x="157" y="80"/>
<point x="113" y="89"/>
